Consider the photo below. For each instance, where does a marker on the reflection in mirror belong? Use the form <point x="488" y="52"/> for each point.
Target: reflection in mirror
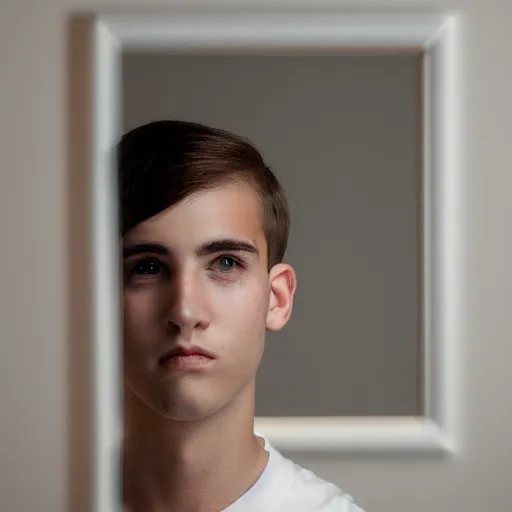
<point x="343" y="136"/>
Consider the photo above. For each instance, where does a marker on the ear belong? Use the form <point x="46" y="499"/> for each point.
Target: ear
<point x="283" y="284"/>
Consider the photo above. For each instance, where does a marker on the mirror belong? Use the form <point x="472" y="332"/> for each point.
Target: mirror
<point x="357" y="114"/>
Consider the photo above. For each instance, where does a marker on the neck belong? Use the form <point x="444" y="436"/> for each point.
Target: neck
<point x="190" y="466"/>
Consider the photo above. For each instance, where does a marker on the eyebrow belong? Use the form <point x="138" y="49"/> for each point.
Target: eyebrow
<point x="213" y="247"/>
<point x="226" y="244"/>
<point x="133" y="250"/>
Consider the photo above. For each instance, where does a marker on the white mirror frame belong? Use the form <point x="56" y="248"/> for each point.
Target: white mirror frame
<point x="228" y="30"/>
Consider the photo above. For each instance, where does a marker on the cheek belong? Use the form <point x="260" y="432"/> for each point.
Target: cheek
<point x="140" y="315"/>
<point x="242" y="317"/>
<point x="248" y="300"/>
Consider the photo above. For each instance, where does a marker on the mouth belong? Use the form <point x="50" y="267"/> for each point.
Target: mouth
<point x="183" y="356"/>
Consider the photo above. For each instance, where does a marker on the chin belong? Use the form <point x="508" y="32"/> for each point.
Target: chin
<point x="181" y="408"/>
<point x="185" y="412"/>
<point x="191" y="401"/>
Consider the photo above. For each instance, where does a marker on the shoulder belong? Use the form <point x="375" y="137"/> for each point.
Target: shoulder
<point x="304" y="491"/>
<point x="310" y="493"/>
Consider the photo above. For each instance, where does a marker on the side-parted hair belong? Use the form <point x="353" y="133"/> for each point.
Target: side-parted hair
<point x="163" y="162"/>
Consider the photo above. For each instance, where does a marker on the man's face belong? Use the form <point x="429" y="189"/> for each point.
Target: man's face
<point x="196" y="274"/>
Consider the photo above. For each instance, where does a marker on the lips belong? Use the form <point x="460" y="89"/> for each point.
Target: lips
<point x="183" y="350"/>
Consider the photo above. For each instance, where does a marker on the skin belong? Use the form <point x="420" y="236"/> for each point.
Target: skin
<point x="189" y="439"/>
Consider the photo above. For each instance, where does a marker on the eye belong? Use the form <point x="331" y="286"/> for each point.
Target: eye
<point x="226" y="263"/>
<point x="147" y="267"/>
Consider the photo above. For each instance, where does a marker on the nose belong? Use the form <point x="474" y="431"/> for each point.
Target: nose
<point x="187" y="311"/>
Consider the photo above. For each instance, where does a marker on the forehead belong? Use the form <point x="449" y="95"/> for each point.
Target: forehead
<point x="222" y="212"/>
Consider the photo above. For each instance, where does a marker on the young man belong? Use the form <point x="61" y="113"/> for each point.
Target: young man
<point x="204" y="229"/>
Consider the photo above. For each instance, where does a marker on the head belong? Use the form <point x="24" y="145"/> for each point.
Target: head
<point x="205" y="226"/>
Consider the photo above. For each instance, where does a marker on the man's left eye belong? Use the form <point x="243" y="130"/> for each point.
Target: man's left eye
<point x="226" y="263"/>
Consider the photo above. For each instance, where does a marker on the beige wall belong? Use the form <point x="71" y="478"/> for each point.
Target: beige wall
<point x="34" y="317"/>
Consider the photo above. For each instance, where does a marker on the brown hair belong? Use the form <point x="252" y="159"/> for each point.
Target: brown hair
<point x="163" y="162"/>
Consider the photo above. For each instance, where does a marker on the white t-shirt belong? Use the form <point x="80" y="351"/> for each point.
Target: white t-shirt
<point x="286" y="487"/>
